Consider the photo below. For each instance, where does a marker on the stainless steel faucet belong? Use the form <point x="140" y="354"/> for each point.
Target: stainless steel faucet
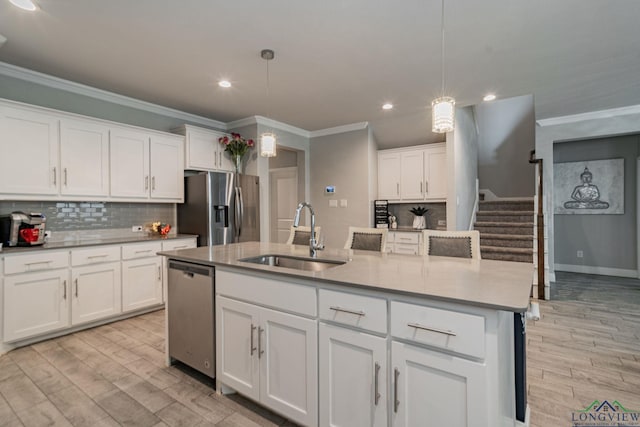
<point x="314" y="246"/>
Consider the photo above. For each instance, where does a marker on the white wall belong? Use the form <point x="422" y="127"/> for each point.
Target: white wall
<point x="346" y="161"/>
<point x="506" y="136"/>
<point x="462" y="165"/>
<point x="582" y="126"/>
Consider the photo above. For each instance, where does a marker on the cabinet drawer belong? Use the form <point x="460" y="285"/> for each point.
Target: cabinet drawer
<point x="141" y="250"/>
<point x="286" y="296"/>
<point x="95" y="255"/>
<point x="39" y="260"/>
<point x="360" y="311"/>
<point x="175" y="244"/>
<point x="409" y="238"/>
<point x="403" y="248"/>
<point x="459" y="332"/>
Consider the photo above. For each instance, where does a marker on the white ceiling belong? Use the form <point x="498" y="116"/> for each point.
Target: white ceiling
<point x="336" y="61"/>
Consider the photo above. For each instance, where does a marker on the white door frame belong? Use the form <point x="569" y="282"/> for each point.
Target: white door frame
<point x="272" y="193"/>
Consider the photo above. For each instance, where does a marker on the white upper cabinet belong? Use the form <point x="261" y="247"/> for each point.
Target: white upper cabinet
<point x="203" y="151"/>
<point x="388" y="175"/>
<point x="413" y="174"/>
<point x="84" y="158"/>
<point x="129" y="163"/>
<point x="146" y="165"/>
<point x="29" y="145"/>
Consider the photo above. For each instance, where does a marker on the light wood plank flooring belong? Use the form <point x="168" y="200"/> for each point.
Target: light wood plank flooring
<point x="585" y="347"/>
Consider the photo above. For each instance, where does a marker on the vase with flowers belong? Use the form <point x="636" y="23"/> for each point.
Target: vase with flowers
<point x="160" y="228"/>
<point x="419" y="221"/>
<point x="237" y="146"/>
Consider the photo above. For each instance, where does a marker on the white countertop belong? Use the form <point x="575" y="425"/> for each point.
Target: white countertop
<point x="498" y="285"/>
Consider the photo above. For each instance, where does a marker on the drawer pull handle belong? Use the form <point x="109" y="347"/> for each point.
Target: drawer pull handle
<point x="180" y="247"/>
<point x="38" y="262"/>
<point x="427" y="328"/>
<point x="144" y="251"/>
<point x="377" y="390"/>
<point x="98" y="256"/>
<point x="252" y="349"/>
<point x="396" y="402"/>
<point x="346" y="310"/>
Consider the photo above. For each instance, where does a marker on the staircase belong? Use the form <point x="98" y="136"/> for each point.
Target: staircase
<point x="506" y="229"/>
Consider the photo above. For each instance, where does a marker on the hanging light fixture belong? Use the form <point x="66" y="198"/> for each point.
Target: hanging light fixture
<point x="443" y="109"/>
<point x="267" y="139"/>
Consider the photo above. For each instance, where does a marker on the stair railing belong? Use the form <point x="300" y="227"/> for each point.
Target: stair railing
<point x="540" y="225"/>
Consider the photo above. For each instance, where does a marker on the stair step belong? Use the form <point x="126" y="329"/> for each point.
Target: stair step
<point x="511" y="228"/>
<point x="505" y="237"/>
<point x="504" y="216"/>
<point x="507" y="254"/>
<point x="505" y="205"/>
<point x="508" y="243"/>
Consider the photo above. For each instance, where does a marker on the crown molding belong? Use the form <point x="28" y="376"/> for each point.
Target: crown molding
<point x="103" y="95"/>
<point x="593" y="115"/>
<point x="339" y="129"/>
<point x="259" y="120"/>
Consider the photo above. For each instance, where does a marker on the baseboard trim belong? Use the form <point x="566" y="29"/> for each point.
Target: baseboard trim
<point x="603" y="271"/>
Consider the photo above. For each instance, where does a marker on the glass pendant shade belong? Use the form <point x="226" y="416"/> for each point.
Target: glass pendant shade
<point x="443" y="114"/>
<point x="268" y="145"/>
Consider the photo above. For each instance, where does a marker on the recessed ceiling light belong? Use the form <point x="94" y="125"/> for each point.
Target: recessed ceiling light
<point x="489" y="97"/>
<point x="387" y="106"/>
<point x="24" y="4"/>
<point x="224" y="83"/>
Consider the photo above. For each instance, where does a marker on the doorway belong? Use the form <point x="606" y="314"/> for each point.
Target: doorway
<point x="283" y="183"/>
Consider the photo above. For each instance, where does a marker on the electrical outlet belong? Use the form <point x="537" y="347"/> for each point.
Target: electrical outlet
<point x="47" y="234"/>
<point x="580" y="254"/>
<point x="136" y="228"/>
<point x="442" y="222"/>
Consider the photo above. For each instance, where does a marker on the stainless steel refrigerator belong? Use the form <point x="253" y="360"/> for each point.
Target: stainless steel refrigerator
<point x="221" y="208"/>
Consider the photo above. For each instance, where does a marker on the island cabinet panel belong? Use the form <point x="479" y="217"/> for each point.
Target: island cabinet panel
<point x="353" y="378"/>
<point x="270" y="357"/>
<point x="29" y="160"/>
<point x="436" y="389"/>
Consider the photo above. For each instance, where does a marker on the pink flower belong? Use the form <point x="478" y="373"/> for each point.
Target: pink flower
<point x="223" y="140"/>
<point x="236" y="136"/>
<point x="250" y="143"/>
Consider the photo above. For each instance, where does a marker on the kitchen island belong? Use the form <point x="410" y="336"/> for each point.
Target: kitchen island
<point x="380" y="340"/>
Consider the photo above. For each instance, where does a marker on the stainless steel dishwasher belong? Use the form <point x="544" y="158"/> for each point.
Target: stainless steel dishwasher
<point x="191" y="316"/>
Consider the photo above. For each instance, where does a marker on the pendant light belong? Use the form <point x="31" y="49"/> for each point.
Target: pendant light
<point x="267" y="139"/>
<point x="443" y="109"/>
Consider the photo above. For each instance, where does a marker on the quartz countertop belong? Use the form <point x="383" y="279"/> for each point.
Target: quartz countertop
<point x="491" y="284"/>
<point x="68" y="244"/>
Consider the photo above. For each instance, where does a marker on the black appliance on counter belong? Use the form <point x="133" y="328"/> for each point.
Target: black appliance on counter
<point x="381" y="213"/>
<point x="22" y="229"/>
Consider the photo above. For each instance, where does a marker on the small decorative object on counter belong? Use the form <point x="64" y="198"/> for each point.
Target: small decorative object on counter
<point x="419" y="222"/>
<point x="237" y="146"/>
<point x="161" y="228"/>
<point x="393" y="222"/>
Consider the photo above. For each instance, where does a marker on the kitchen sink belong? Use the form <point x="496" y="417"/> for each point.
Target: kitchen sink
<point x="297" y="263"/>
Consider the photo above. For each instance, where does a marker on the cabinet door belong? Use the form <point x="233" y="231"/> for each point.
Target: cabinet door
<point x="288" y="353"/>
<point x="35" y="303"/>
<point x="167" y="168"/>
<point x="96" y="292"/>
<point x="389" y="176"/>
<point x="237" y="346"/>
<point x="436" y="173"/>
<point x="129" y="164"/>
<point x="353" y="378"/>
<point x="411" y="175"/>
<point x="201" y="150"/>
<point x="28" y="141"/>
<point x="141" y="283"/>
<point x="436" y="389"/>
<point x="84" y="158"/>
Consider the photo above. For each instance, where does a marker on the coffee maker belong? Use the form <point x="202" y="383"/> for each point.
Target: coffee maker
<point x="22" y="229"/>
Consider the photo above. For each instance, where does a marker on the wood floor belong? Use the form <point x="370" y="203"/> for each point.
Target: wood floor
<point x="585" y="347"/>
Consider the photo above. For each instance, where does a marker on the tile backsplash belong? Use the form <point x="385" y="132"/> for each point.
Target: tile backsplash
<point x="437" y="212"/>
<point x="75" y="216"/>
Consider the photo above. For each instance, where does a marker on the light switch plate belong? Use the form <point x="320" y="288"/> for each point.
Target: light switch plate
<point x="333" y="203"/>
<point x="343" y="203"/>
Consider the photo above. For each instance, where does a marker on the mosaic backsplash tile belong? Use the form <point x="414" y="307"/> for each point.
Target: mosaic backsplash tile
<point x="74" y="216"/>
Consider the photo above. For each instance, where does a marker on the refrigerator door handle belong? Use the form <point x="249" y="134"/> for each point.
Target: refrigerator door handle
<point x="240" y="210"/>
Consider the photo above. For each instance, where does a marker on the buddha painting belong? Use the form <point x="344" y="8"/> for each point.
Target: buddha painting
<point x="586" y="195"/>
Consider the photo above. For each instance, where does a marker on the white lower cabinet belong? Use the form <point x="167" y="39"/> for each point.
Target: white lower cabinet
<point x="35" y="303"/>
<point x="430" y="388"/>
<point x="141" y="276"/>
<point x="95" y="292"/>
<point x="269" y="356"/>
<point x="353" y="378"/>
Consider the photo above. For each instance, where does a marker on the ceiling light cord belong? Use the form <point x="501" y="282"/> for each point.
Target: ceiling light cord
<point x="442" y="46"/>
